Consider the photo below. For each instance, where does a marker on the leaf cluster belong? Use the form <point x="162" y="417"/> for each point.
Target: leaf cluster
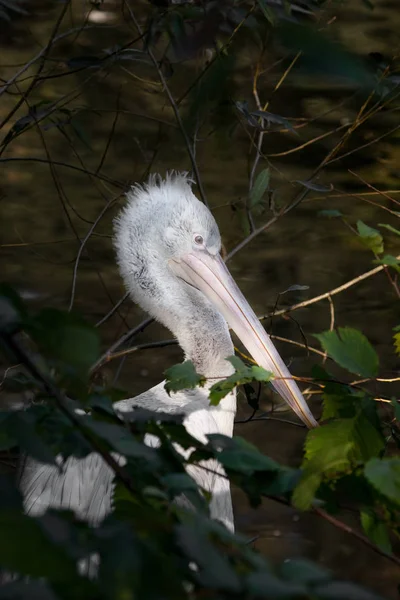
<point x="57" y="555"/>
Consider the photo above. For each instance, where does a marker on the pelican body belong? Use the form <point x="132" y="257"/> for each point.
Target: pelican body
<point x="168" y="250"/>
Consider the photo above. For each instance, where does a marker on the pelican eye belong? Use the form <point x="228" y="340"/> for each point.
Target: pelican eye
<point x="199" y="240"/>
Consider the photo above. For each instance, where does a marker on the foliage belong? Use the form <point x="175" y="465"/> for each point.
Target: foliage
<point x="146" y="527"/>
<point x="351" y="350"/>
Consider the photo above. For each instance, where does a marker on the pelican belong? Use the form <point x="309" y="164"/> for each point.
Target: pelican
<point x="168" y="250"/>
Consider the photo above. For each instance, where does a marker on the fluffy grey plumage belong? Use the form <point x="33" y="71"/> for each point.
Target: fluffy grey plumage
<point x="158" y="223"/>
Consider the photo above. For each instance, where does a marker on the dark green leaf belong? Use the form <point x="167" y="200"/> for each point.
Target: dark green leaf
<point x="266" y="585"/>
<point x="244" y="457"/>
<point x="295" y="288"/>
<point x="267" y="12"/>
<point x="276" y="119"/>
<point x="371" y="238"/>
<point x="330" y="213"/>
<point x="27" y="548"/>
<point x="351" y="350"/>
<point x="322" y="55"/>
<point x="183" y="377"/>
<point x="384" y="475"/>
<point x="66" y="339"/>
<point x="316" y="187"/>
<point x="259" y="188"/>
<point x="301" y="570"/>
<point x="20" y="426"/>
<point x="214" y="568"/>
<point x="342" y="590"/>
<point x="84" y="62"/>
<point x="120" y="439"/>
<point x="375" y="529"/>
<point x="33" y="590"/>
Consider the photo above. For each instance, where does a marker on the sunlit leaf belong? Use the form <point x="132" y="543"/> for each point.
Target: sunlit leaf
<point x="332" y="450"/>
<point x="390" y="228"/>
<point x="242" y="374"/>
<point x="351" y="350"/>
<point x="384" y="475"/>
<point x="396" y="339"/>
<point x="183" y="377"/>
<point x="390" y="261"/>
<point x="371" y="238"/>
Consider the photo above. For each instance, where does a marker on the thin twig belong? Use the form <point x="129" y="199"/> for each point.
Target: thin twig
<point x="326" y="295"/>
<point x="122" y="340"/>
<point x="174" y="106"/>
<point x="362" y="538"/>
<point x="42" y="61"/>
<point x="113" y="310"/>
<point x="83" y="243"/>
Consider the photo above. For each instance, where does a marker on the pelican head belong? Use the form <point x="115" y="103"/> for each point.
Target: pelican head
<point x="168" y="250"/>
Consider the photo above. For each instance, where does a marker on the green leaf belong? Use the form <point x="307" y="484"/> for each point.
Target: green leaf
<point x="396" y="339"/>
<point x="264" y="584"/>
<point x="66" y="339"/>
<point x="267" y="12"/>
<point x="332" y="451"/>
<point x="371" y="238"/>
<point x="321" y="54"/>
<point x="316" y="187"/>
<point x="375" y="529"/>
<point x="330" y="213"/>
<point x="342" y="590"/>
<point x="183" y="377"/>
<point x="390" y="228"/>
<point x="384" y="475"/>
<point x="390" y="261"/>
<point x="244" y="457"/>
<point x="120" y="439"/>
<point x="396" y="406"/>
<point x="21" y="426"/>
<point x="26" y="546"/>
<point x="259" y="188"/>
<point x="350" y="349"/>
<point x="301" y="570"/>
<point x="215" y="569"/>
<point x="242" y="374"/>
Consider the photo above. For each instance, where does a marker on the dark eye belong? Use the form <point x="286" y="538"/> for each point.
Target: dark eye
<point x="198" y="239"/>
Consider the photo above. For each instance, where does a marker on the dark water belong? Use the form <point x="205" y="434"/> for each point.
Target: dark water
<point x="38" y="247"/>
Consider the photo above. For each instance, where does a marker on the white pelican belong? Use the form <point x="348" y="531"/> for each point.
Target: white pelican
<point x="168" y="248"/>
